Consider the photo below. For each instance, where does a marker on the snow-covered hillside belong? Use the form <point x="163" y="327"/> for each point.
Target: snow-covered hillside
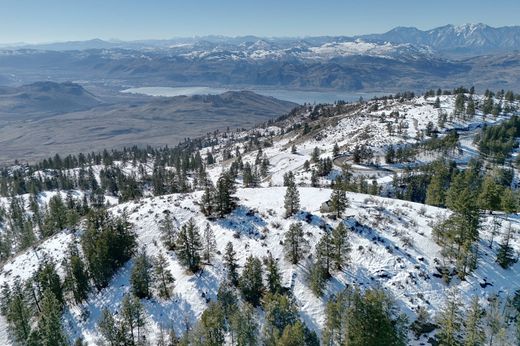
<point x="391" y="240"/>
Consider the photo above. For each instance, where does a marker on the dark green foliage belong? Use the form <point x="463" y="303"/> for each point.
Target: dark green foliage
<point x="250" y="282"/>
<point x="273" y="278"/>
<point x="230" y="263"/>
<point x="108" y="242"/>
<point x="340" y="247"/>
<point x="17" y="311"/>
<point x="295" y="245"/>
<point x="243" y="326"/>
<point x="50" y="330"/>
<point x="168" y="231"/>
<point x="497" y="142"/>
<point x="76" y="279"/>
<point x="291" y="199"/>
<point x="338" y="201"/>
<point x="141" y="276"/>
<point x="163" y="277"/>
<point x="189" y="246"/>
<point x="364" y="319"/>
<point x="505" y="254"/>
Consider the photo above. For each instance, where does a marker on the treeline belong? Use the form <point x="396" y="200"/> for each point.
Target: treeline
<point x="33" y="308"/>
<point x="497" y="142"/>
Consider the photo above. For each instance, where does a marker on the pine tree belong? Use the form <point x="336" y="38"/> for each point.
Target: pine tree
<point x="435" y="194"/>
<point x="318" y="277"/>
<point x="505" y="254"/>
<point x="188" y="246"/>
<point x="340" y="246"/>
<point x="489" y="197"/>
<point x="293" y="335"/>
<point x="163" y="278"/>
<point x="243" y="326"/>
<point x="224" y="201"/>
<point x="210" y="329"/>
<point x="168" y="231"/>
<point x="335" y="150"/>
<point x="274" y="284"/>
<point x="16" y="309"/>
<point x="338" y="201"/>
<point x="46" y="277"/>
<point x="132" y="319"/>
<point x="77" y="277"/>
<point x="250" y="282"/>
<point x="335" y="323"/>
<point x="141" y="277"/>
<point x="280" y="312"/>
<point x="108" y="328"/>
<point x="50" y="330"/>
<point x="209" y="244"/>
<point x="508" y="201"/>
<point x="474" y="334"/>
<point x="291" y="200"/>
<point x="207" y="200"/>
<point x="315" y="156"/>
<point x="324" y="253"/>
<point x="437" y="103"/>
<point x="449" y="321"/>
<point x="230" y="263"/>
<point x="295" y="244"/>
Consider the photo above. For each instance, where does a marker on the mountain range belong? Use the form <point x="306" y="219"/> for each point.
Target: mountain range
<point x="451" y="40"/>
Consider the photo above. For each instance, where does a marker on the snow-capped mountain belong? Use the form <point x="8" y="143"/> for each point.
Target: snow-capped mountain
<point x="467" y="39"/>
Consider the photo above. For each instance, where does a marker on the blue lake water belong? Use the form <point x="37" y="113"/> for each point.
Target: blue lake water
<point x="297" y="96"/>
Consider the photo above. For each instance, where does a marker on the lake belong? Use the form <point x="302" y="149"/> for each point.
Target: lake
<point x="296" y="96"/>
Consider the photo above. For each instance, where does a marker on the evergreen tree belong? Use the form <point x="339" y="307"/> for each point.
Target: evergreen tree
<point x="210" y="329"/>
<point x="505" y="254"/>
<point x="340" y="246"/>
<point x="50" y="330"/>
<point x="338" y="201"/>
<point x="295" y="244"/>
<point x="489" y="197"/>
<point x="293" y="335"/>
<point x="280" y="312"/>
<point x="107" y="243"/>
<point x="132" y="320"/>
<point x="449" y="321"/>
<point x="163" y="278"/>
<point x="230" y="263"/>
<point x="77" y="277"/>
<point x="141" y="277"/>
<point x="108" y="328"/>
<point x="224" y="201"/>
<point x="250" y="282"/>
<point x="318" y="277"/>
<point x="291" y="200"/>
<point x="371" y="321"/>
<point x="16" y="309"/>
<point x="437" y="103"/>
<point x="324" y="253"/>
<point x="56" y="218"/>
<point x="168" y="231"/>
<point x="335" y="150"/>
<point x="474" y="334"/>
<point x="243" y="326"/>
<point x="209" y="244"/>
<point x="188" y="246"/>
<point x="47" y="278"/>
<point x="274" y="284"/>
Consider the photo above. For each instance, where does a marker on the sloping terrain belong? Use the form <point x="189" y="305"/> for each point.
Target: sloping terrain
<point x="48" y="118"/>
<point x="391" y="240"/>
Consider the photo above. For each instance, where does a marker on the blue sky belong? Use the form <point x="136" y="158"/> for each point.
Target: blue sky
<point x="62" y="20"/>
